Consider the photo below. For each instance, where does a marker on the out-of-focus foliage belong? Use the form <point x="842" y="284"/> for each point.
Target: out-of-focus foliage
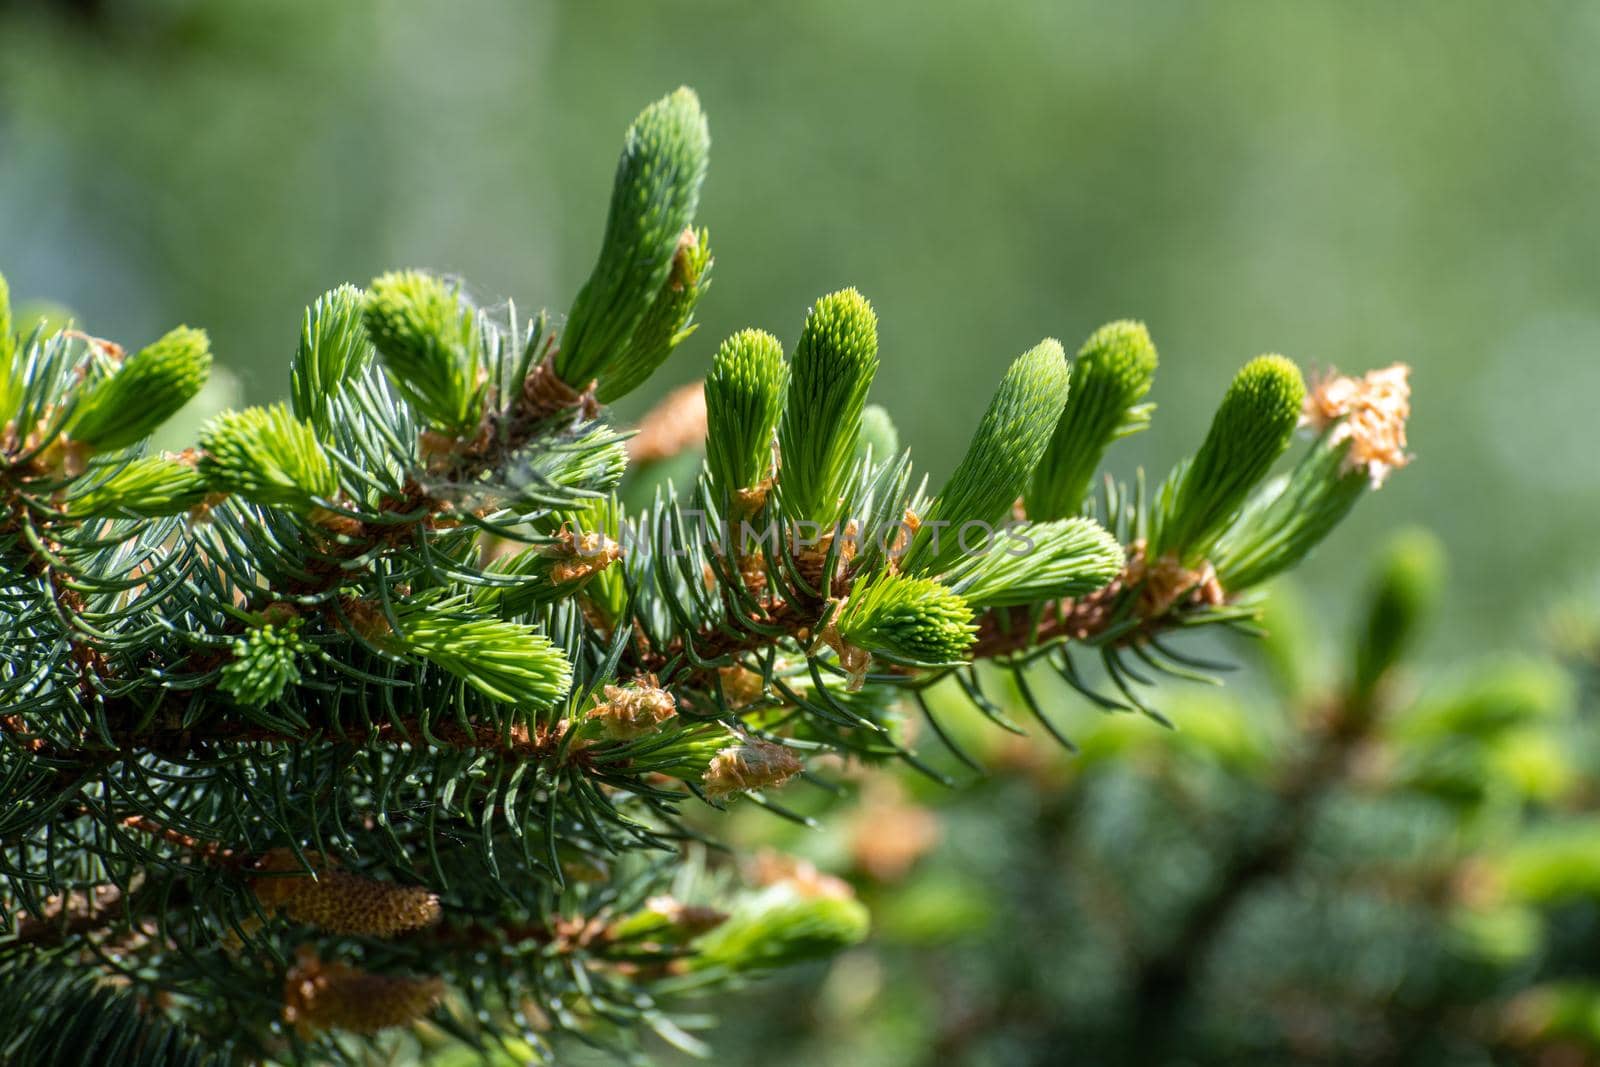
<point x="1410" y="878"/>
<point x="1334" y="178"/>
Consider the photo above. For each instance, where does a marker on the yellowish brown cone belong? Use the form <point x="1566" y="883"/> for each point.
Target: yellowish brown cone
<point x="336" y="996"/>
<point x="340" y="902"/>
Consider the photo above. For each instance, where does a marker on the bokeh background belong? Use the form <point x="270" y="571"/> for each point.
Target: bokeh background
<point x="1350" y="183"/>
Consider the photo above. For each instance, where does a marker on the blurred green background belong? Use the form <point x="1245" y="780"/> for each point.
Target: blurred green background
<point x="1351" y="183"/>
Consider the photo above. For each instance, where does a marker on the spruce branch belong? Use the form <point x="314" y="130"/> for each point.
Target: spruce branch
<point x="264" y="664"/>
<point x="834" y="363"/>
<point x="744" y="399"/>
<point x="911" y="620"/>
<point x="1040" y="562"/>
<point x="268" y="457"/>
<point x="1001" y="459"/>
<point x="507" y="661"/>
<point x="334" y="350"/>
<point x="669" y="320"/>
<point x="146" y="390"/>
<point x="1360" y="427"/>
<point x="146" y="488"/>
<point x="428" y="341"/>
<point x="400" y="692"/>
<point x="1250" y="430"/>
<point x="650" y="271"/>
<point x="1111" y="375"/>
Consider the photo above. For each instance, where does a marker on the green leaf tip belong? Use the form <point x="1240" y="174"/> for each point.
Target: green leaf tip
<point x="506" y="661"/>
<point x="428" y="339"/>
<point x="782" y="928"/>
<point x="1111" y="375"/>
<point x="149" y="387"/>
<point x="1289" y="517"/>
<point x="1250" y="430"/>
<point x="648" y="253"/>
<point x="1000" y="461"/>
<point x="915" y="620"/>
<point x="666" y="324"/>
<point x="148" y="487"/>
<point x="334" y="349"/>
<point x="1040" y="561"/>
<point x="744" y="399"/>
<point x="267" y="456"/>
<point x="265" y="663"/>
<point x="1405" y="587"/>
<point x="833" y="367"/>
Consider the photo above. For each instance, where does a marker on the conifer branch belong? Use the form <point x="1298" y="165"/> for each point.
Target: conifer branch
<point x="396" y="673"/>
